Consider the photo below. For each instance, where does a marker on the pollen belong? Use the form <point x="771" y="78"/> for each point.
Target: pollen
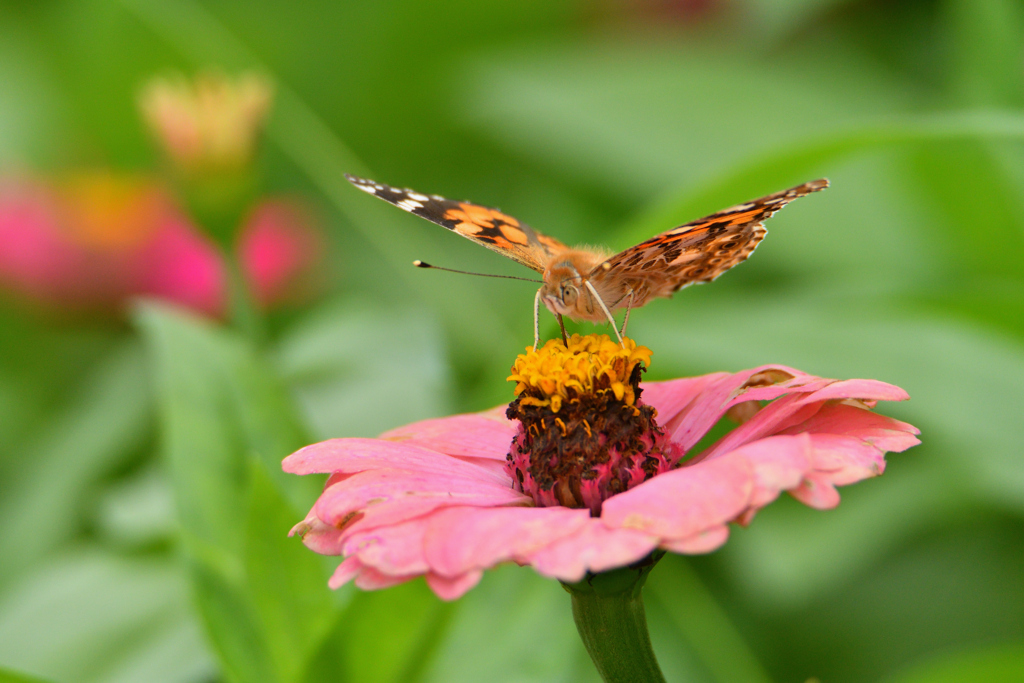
<point x="557" y="373"/>
<point x="584" y="433"/>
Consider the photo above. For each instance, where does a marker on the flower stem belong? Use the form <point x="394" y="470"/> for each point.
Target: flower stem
<point x="609" y="614"/>
<point x="242" y="310"/>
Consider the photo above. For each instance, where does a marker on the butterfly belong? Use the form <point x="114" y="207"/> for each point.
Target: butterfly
<point x="589" y="284"/>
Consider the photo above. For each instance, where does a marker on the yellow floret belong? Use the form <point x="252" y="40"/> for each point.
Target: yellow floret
<point x="557" y="373"/>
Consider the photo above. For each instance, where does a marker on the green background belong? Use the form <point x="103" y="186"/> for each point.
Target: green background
<point x="142" y="509"/>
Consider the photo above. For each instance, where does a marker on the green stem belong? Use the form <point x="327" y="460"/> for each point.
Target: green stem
<point x="609" y="614"/>
<point x="242" y="310"/>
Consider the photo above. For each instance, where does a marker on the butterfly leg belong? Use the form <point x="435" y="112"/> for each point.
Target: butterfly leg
<point x="536" y="319"/>
<point x="611" y="319"/>
<point x="629" y="307"/>
<point x="565" y="339"/>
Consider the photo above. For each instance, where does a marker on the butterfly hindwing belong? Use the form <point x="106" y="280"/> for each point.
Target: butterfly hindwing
<point x="698" y="251"/>
<point x="485" y="226"/>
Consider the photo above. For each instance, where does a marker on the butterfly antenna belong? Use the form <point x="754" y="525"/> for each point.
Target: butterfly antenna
<point x="424" y="264"/>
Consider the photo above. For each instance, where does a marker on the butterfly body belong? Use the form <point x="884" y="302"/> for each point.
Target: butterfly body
<point x="588" y="284"/>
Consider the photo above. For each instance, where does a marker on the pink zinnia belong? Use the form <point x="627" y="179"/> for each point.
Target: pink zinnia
<point x="579" y="476"/>
<point x="98" y="239"/>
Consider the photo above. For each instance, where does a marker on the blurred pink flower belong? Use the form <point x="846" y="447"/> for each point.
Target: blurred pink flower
<point x="97" y="240"/>
<point x="444" y="498"/>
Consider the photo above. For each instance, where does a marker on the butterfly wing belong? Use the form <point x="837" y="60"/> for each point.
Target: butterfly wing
<point x="697" y="252"/>
<point x="485" y="226"/>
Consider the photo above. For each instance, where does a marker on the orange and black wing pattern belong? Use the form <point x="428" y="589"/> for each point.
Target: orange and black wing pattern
<point x="697" y="252"/>
<point x="485" y="226"/>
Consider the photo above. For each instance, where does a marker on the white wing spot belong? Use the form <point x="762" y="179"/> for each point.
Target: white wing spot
<point x="410" y="204"/>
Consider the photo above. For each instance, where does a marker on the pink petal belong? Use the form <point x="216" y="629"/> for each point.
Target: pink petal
<point x="779" y="463"/>
<point x="453" y="588"/>
<point x="817" y="492"/>
<point x="373" y="492"/>
<point x="394" y="550"/>
<point x="180" y="264"/>
<point x="884" y="432"/>
<point x="844" y="460"/>
<point x="864" y="389"/>
<point x="463" y="539"/>
<point x="279" y="247"/>
<point x="798" y="407"/>
<point x="594" y="548"/>
<point x="689" y="425"/>
<point x="685" y="501"/>
<point x="357" y="455"/>
<point x="317" y="536"/>
<point x="345" y="572"/>
<point x="480" y="435"/>
<point x="369" y="579"/>
<point x="670" y="397"/>
<point x="701" y="543"/>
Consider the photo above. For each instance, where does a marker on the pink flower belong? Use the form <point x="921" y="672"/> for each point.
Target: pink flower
<point x="450" y="497"/>
<point x="98" y="239"/>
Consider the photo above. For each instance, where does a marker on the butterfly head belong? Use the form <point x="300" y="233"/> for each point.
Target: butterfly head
<point x="565" y="291"/>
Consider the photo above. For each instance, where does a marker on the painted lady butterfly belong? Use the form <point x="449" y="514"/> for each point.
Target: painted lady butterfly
<point x="586" y="284"/>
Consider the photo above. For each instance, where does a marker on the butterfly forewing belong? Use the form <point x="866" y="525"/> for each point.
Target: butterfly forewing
<point x="485" y="226"/>
<point x="698" y="251"/>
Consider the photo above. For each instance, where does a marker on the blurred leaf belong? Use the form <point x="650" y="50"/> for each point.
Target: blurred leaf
<point x="986" y="41"/>
<point x="31" y="108"/>
<point x="813" y="157"/>
<point x="1001" y="664"/>
<point x="348" y="387"/>
<point x="7" y="676"/>
<point x="138" y="510"/>
<point x="232" y="624"/>
<point x="219" y="406"/>
<point x="776" y="18"/>
<point x="104" y="421"/>
<point x="287" y="581"/>
<point x="93" y="617"/>
<point x="975" y="206"/>
<point x="638" y="115"/>
<point x="954" y="587"/>
<point x="962" y="383"/>
<point x="514" y="626"/>
<point x="388" y="635"/>
<point x="696" y="619"/>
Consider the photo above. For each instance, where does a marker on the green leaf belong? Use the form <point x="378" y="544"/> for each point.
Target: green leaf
<point x="218" y="405"/>
<point x="104" y="421"/>
<point x="287" y="581"/>
<point x="814" y="156"/>
<point x="220" y="408"/>
<point x="388" y="635"/>
<point x="698" y="624"/>
<point x="7" y="676"/>
<point x="580" y="108"/>
<point x="985" y="41"/>
<point x="348" y="387"/>
<point x="514" y="626"/>
<point x="231" y="624"/>
<point x="93" y="617"/>
<point x="1000" y="664"/>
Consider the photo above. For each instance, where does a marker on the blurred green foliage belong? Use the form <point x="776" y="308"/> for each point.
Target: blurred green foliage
<point x="144" y="511"/>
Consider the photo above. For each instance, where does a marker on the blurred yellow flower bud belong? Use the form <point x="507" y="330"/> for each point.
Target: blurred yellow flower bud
<point x="209" y="123"/>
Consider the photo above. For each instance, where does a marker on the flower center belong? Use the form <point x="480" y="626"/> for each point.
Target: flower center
<point x="584" y="434"/>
